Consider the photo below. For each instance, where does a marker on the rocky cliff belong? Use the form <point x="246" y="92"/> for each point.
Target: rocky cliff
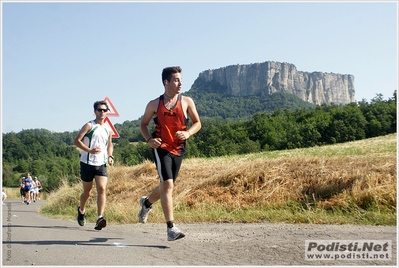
<point x="269" y="77"/>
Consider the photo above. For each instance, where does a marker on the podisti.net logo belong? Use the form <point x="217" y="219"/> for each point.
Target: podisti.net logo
<point x="348" y="250"/>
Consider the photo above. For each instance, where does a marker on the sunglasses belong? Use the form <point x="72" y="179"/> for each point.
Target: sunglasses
<point x="102" y="110"/>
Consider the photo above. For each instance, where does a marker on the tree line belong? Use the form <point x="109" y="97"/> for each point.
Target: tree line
<point x="52" y="156"/>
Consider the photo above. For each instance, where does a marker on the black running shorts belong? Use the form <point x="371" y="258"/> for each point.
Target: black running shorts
<point x="88" y="172"/>
<point x="168" y="165"/>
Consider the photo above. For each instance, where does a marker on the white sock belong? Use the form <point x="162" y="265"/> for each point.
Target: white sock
<point x="100" y="216"/>
<point x="83" y="212"/>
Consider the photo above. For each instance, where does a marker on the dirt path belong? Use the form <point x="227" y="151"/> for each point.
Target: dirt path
<point x="31" y="239"/>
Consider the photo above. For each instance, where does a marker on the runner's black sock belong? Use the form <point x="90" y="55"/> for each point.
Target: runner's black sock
<point x="169" y="224"/>
<point x="147" y="203"/>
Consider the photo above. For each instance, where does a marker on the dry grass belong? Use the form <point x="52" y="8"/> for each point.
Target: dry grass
<point x="346" y="183"/>
<point x="13" y="192"/>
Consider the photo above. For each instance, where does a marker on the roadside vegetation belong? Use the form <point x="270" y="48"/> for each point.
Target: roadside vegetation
<point x="326" y="164"/>
<point x="50" y="155"/>
<point x="347" y="183"/>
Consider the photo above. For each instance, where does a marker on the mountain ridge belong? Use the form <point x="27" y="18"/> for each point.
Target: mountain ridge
<point x="266" y="78"/>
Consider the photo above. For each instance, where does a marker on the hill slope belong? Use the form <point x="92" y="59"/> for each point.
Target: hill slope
<point x="212" y="105"/>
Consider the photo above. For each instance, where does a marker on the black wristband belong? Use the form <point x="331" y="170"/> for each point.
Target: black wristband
<point x="111" y="156"/>
<point x="149" y="139"/>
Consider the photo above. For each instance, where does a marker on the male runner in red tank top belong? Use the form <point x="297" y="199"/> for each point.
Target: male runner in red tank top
<point x="168" y="141"/>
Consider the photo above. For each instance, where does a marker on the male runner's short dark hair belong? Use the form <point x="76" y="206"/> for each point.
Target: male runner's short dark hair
<point x="97" y="103"/>
<point x="168" y="72"/>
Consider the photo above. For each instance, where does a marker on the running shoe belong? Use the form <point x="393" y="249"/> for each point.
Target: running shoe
<point x="174" y="233"/>
<point x="143" y="214"/>
<point x="81" y="218"/>
<point x="101" y="223"/>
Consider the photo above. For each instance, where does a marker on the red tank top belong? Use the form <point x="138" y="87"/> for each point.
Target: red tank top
<point x="167" y="123"/>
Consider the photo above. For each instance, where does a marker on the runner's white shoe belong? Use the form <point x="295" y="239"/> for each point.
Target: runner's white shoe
<point x="143" y="214"/>
<point x="174" y="233"/>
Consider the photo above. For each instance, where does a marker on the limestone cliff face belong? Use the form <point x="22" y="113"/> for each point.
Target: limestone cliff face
<point x="269" y="77"/>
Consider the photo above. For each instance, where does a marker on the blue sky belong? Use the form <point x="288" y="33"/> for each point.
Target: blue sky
<point x="60" y="57"/>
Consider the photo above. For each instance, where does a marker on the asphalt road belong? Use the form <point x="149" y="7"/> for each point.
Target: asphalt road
<point x="32" y="239"/>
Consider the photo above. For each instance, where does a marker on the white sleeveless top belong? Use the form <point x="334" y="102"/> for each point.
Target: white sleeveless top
<point x="96" y="137"/>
